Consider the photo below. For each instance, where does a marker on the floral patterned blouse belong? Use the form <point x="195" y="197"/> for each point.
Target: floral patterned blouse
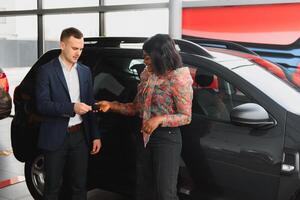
<point x="169" y="95"/>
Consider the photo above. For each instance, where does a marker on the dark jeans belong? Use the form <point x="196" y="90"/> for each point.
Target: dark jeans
<point x="72" y="158"/>
<point x="158" y="165"/>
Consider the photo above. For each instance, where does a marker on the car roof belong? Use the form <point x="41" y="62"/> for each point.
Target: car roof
<point x="231" y="59"/>
<point x="191" y="47"/>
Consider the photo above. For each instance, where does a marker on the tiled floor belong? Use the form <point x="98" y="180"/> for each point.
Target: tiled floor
<point x="15" y="192"/>
<point x="10" y="167"/>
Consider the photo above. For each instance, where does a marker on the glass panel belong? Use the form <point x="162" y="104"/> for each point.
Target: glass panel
<point x="18" y="43"/>
<point x="67" y="3"/>
<point x="214" y="97"/>
<point x="125" y="2"/>
<point x="114" y="79"/>
<point x="18" y="48"/>
<point x="272" y="86"/>
<point x="87" y="23"/>
<point x="8" y="5"/>
<point x="137" y="23"/>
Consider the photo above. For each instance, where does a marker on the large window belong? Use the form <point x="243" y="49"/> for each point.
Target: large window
<point x="137" y="23"/>
<point x="9" y="5"/>
<point x="69" y="4"/>
<point x="118" y="2"/>
<point x="87" y="23"/>
<point x="18" y="43"/>
<point x="214" y="97"/>
<point x="52" y="16"/>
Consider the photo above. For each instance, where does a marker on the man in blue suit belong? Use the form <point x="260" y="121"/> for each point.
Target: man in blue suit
<point x="64" y="96"/>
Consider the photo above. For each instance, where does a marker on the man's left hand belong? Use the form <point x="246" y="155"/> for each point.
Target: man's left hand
<point x="96" y="146"/>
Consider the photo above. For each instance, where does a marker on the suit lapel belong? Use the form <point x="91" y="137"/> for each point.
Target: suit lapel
<point x="61" y="77"/>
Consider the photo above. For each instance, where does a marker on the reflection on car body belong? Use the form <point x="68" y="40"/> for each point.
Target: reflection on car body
<point x="242" y="143"/>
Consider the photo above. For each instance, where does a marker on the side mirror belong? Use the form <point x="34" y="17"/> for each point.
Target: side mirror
<point x="251" y="114"/>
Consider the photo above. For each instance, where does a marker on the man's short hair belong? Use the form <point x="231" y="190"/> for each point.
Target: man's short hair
<point x="71" y="31"/>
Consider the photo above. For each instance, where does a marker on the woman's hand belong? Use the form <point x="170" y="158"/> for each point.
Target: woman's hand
<point x="104" y="106"/>
<point x="150" y="125"/>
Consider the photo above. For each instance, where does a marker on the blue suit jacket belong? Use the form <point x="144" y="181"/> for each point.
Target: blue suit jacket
<point x="54" y="102"/>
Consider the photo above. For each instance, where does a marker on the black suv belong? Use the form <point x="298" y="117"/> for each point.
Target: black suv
<point x="243" y="141"/>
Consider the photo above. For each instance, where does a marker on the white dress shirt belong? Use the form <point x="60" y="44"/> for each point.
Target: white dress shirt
<point x="72" y="80"/>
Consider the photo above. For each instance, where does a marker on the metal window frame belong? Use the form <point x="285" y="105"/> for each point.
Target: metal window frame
<point x="40" y="28"/>
<point x="172" y="5"/>
<point x="92" y="9"/>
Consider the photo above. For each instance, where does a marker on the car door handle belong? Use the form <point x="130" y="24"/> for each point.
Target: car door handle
<point x="290" y="163"/>
<point x="287" y="168"/>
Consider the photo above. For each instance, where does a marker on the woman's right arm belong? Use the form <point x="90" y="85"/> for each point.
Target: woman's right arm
<point x="129" y="109"/>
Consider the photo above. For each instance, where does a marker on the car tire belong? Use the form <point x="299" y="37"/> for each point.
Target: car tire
<point x="34" y="175"/>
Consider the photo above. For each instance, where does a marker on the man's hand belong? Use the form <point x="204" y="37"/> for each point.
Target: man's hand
<point x="96" y="146"/>
<point x="81" y="108"/>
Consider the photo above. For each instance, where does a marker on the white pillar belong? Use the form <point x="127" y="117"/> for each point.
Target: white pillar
<point x="175" y="18"/>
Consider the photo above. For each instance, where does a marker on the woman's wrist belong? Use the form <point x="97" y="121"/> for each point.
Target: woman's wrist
<point x="161" y="119"/>
<point x="114" y="106"/>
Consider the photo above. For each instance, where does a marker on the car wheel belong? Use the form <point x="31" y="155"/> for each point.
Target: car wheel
<point x="35" y="177"/>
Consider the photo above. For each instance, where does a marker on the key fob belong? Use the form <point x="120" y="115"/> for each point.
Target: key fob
<point x="95" y="107"/>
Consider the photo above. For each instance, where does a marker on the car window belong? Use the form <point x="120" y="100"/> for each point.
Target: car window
<point x="272" y="86"/>
<point x="214" y="97"/>
<point x="115" y="79"/>
<point x="137" y="66"/>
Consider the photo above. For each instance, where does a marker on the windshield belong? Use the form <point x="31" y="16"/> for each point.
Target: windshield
<point x="290" y="76"/>
<point x="273" y="85"/>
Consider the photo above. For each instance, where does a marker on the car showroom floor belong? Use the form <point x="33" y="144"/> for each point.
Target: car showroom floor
<point x="12" y="180"/>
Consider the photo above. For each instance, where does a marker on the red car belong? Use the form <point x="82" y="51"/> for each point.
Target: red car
<point x="5" y="99"/>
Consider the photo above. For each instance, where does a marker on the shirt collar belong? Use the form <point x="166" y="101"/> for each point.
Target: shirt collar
<point x="64" y="66"/>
